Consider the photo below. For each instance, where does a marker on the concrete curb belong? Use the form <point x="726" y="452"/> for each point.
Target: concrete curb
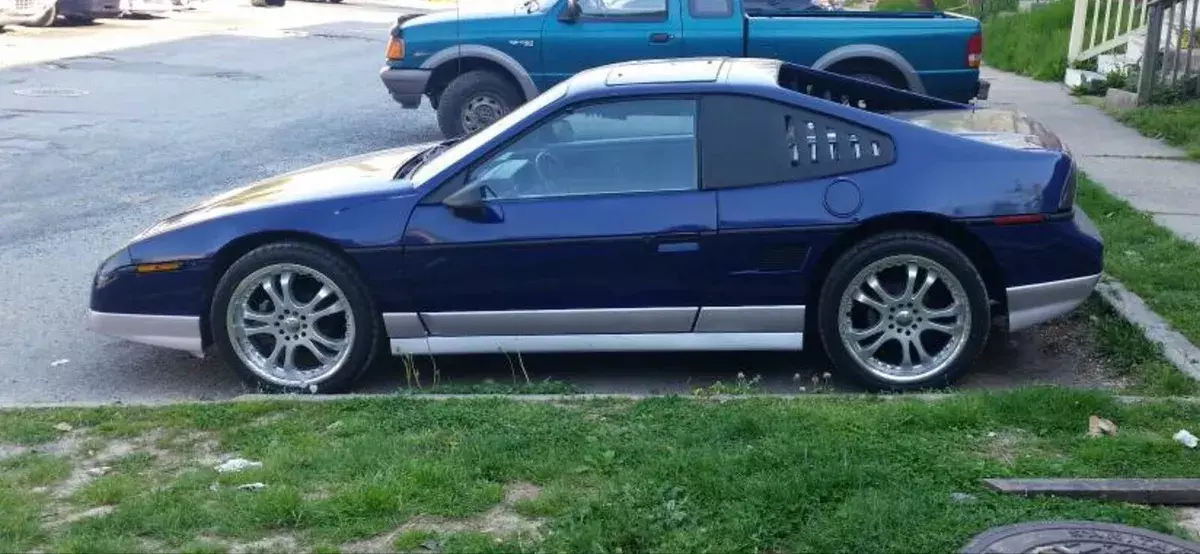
<point x="1178" y="349"/>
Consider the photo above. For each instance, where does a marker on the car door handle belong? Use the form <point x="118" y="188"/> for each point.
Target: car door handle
<point x="677" y="242"/>
<point x="660" y="37"/>
<point x="671" y="247"/>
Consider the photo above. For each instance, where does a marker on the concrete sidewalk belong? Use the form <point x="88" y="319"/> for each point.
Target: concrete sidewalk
<point x="1151" y="175"/>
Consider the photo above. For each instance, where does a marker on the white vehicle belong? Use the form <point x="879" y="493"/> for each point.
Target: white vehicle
<point x="35" y="13"/>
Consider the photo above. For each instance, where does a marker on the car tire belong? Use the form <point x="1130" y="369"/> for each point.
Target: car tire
<point x="479" y="96"/>
<point x="946" y="344"/>
<point x="291" y="320"/>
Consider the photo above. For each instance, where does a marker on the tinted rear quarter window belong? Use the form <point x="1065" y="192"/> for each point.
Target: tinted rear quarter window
<point x="771" y="142"/>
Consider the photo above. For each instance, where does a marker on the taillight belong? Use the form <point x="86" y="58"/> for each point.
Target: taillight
<point x="975" y="50"/>
<point x="395" y="49"/>
<point x="1067" y="200"/>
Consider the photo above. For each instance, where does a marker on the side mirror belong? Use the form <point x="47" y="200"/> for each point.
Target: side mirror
<point x="570" y="12"/>
<point x="468" y="198"/>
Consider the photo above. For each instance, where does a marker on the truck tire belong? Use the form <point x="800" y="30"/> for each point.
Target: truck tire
<point x="46" y="20"/>
<point x="473" y="101"/>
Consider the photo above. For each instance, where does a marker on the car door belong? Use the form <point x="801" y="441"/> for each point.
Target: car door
<point x="593" y="222"/>
<point x="789" y="181"/>
<point x="607" y="31"/>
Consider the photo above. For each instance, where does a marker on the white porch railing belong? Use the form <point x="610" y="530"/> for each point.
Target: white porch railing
<point x="1158" y="37"/>
<point x="1100" y="26"/>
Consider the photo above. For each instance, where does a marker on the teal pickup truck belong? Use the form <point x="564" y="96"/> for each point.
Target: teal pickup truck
<point x="476" y="66"/>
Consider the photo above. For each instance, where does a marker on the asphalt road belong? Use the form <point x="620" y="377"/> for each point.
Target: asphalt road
<point x="95" y="148"/>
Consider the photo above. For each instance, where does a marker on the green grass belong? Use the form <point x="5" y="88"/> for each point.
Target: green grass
<point x="1033" y="43"/>
<point x="821" y="474"/>
<point x="1177" y="124"/>
<point x="1133" y="357"/>
<point x="1148" y="259"/>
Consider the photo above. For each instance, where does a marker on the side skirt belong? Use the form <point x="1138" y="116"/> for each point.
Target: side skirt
<point x="647" y="342"/>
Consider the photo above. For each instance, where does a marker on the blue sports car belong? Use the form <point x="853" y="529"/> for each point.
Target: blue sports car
<point x="691" y="204"/>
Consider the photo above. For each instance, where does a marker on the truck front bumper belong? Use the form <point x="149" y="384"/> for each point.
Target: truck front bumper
<point x="406" y="86"/>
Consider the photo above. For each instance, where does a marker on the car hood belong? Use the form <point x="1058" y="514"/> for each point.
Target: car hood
<point x="488" y="11"/>
<point x="346" y="178"/>
<point x="1000" y="126"/>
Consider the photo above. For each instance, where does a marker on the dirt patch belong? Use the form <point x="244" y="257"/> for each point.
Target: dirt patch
<point x="500" y="522"/>
<point x="1004" y="446"/>
<point x="12" y="451"/>
<point x="1059" y="352"/>
<point x="99" y="511"/>
<point x="69" y="444"/>
<point x="519" y="491"/>
<point x="1189" y="519"/>
<point x="276" y="543"/>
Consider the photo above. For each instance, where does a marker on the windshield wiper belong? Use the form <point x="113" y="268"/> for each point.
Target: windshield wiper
<point x="424" y="156"/>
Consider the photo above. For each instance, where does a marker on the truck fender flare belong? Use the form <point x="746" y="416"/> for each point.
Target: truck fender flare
<point x="883" y="54"/>
<point x="514" y="68"/>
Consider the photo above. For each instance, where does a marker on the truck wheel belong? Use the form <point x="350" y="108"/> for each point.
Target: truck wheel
<point x="46" y="20"/>
<point x="473" y="101"/>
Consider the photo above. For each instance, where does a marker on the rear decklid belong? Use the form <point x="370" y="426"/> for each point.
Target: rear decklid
<point x="1000" y="126"/>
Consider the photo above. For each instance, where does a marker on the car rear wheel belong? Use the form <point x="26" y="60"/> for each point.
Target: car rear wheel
<point x="903" y="311"/>
<point x="293" y="317"/>
<point x="473" y="101"/>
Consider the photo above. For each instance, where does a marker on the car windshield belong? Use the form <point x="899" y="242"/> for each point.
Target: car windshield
<point x="436" y="165"/>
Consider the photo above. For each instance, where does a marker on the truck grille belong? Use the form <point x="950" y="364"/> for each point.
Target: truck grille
<point x="28" y="7"/>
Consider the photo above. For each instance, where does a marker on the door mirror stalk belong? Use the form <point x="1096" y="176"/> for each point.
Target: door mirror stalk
<point x="571" y="12"/>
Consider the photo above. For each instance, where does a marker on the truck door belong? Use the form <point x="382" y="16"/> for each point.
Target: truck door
<point x="607" y="31"/>
<point x="713" y="28"/>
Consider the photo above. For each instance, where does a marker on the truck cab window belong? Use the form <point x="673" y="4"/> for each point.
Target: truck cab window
<point x="622" y="8"/>
<point x="710" y="8"/>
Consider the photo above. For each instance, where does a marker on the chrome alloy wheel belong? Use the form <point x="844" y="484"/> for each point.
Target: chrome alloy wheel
<point x="482" y="110"/>
<point x="290" y="325"/>
<point x="904" y="318"/>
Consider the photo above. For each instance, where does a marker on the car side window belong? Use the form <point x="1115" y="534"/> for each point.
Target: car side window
<point x="631" y="146"/>
<point x="772" y="142"/>
<point x="623" y="9"/>
<point x="710" y="8"/>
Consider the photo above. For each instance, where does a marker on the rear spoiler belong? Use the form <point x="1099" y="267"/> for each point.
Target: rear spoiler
<point x="866" y="95"/>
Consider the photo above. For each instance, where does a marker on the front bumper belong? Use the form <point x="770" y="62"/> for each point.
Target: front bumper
<point x="89" y="8"/>
<point x="406" y="86"/>
<point x="166" y="331"/>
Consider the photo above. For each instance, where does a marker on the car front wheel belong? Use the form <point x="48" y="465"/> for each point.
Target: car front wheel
<point x="293" y="317"/>
<point x="903" y="311"/>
